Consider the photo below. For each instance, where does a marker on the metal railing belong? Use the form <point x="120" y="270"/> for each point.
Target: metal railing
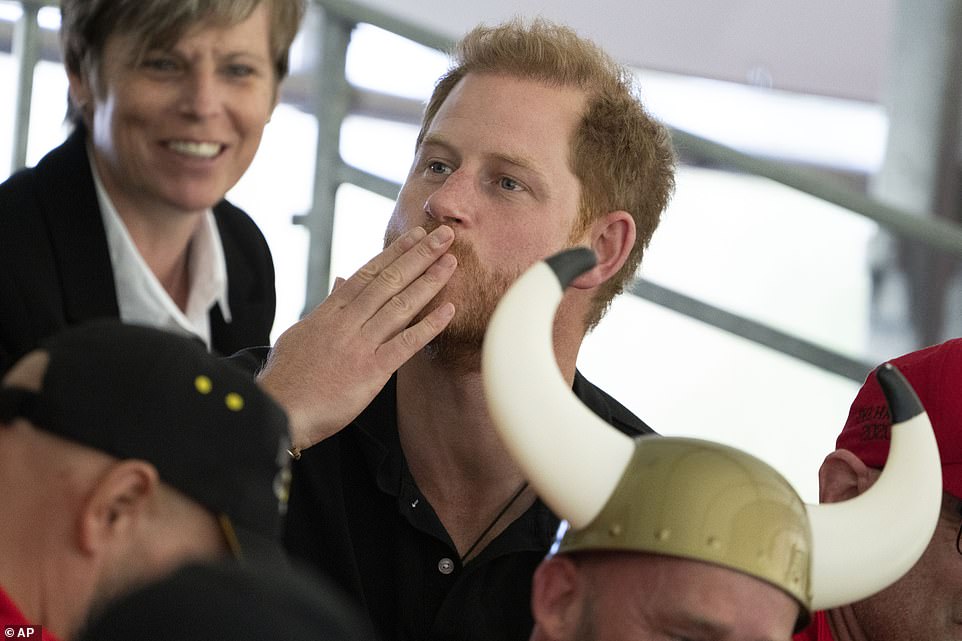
<point x="333" y="99"/>
<point x="26" y="50"/>
<point x="344" y="15"/>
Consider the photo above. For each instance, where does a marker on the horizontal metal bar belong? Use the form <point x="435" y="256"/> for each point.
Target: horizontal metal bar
<point x="383" y="106"/>
<point x="754" y="331"/>
<point x="353" y="12"/>
<point x="935" y="232"/>
<point x="360" y="178"/>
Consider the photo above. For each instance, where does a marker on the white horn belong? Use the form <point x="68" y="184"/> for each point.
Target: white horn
<point x="862" y="545"/>
<point x="572" y="458"/>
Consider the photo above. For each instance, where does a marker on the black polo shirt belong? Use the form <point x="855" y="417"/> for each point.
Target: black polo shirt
<point x="356" y="515"/>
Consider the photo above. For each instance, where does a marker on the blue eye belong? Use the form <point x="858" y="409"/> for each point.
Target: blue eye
<point x="437" y="167"/>
<point x="509" y="184"/>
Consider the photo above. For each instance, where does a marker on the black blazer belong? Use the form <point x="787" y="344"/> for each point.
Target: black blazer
<point x="55" y="267"/>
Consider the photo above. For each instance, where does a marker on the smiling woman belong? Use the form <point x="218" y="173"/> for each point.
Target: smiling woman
<point x="127" y="218"/>
<point x="173" y="128"/>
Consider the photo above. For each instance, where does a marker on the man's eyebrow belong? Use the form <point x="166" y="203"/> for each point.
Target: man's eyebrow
<point x="518" y="161"/>
<point x="434" y="140"/>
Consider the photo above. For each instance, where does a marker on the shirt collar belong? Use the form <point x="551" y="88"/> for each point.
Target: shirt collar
<point x="381" y="445"/>
<point x="140" y="296"/>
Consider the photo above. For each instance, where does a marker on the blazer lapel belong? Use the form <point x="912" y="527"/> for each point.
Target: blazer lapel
<point x="72" y="214"/>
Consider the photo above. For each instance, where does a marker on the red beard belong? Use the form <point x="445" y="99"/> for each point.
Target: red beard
<point x="475" y="292"/>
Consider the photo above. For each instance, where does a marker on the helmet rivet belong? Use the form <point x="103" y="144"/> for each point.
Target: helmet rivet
<point x="714" y="543"/>
<point x="615" y="530"/>
<point x="663" y="534"/>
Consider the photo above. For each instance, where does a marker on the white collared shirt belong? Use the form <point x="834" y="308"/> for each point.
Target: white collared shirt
<point x="140" y="296"/>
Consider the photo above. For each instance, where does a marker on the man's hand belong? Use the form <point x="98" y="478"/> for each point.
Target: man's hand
<point x="328" y="366"/>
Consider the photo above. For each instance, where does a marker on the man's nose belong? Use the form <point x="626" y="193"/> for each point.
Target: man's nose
<point x="453" y="202"/>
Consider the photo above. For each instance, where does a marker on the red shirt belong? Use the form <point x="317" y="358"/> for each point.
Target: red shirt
<point x="10" y="615"/>
<point x="817" y="629"/>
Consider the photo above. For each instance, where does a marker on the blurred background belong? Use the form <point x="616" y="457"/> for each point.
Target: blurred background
<point x="812" y="233"/>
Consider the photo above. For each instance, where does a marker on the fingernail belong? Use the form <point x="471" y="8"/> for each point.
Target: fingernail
<point x="441" y="236"/>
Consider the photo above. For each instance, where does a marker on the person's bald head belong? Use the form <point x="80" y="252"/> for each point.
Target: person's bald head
<point x="635" y="595"/>
<point x="125" y="452"/>
<point x="89" y="526"/>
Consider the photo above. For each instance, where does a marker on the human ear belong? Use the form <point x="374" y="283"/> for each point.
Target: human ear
<point x="81" y="93"/>
<point x="557" y="598"/>
<point x="843" y="476"/>
<point x="611" y="238"/>
<point x="116" y="504"/>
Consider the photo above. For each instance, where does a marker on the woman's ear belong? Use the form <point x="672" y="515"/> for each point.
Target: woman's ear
<point x="843" y="476"/>
<point x="81" y="93"/>
<point x="611" y="238"/>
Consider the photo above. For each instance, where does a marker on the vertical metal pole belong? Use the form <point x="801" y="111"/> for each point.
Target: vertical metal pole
<point x="920" y="172"/>
<point x="26" y="50"/>
<point x="331" y="104"/>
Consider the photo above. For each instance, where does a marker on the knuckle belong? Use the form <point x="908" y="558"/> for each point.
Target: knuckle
<point x="367" y="273"/>
<point x="430" y="326"/>
<point x="409" y="339"/>
<point x="391" y="276"/>
<point x="400" y="304"/>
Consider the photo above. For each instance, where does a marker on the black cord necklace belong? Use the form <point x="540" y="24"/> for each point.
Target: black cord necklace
<point x="507" y="506"/>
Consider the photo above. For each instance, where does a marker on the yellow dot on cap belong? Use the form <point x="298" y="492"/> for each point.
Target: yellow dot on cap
<point x="234" y="402"/>
<point x="203" y="384"/>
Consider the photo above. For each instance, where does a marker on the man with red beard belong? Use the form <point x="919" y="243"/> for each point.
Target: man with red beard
<point x="531" y="143"/>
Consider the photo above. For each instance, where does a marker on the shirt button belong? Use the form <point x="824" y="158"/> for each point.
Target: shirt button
<point x="445" y="566"/>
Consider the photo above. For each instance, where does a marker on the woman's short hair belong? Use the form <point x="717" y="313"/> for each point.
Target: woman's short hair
<point x="86" y="25"/>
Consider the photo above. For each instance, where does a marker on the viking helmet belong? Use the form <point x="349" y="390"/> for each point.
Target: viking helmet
<point x="693" y="498"/>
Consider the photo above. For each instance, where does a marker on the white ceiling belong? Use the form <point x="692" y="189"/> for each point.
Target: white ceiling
<point x="828" y="47"/>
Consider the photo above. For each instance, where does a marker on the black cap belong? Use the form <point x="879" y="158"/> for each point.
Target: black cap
<point x="229" y="602"/>
<point x="142" y="393"/>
